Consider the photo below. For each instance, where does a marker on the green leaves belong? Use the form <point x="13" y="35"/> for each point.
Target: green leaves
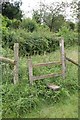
<point x="70" y="37"/>
<point x="29" y="25"/>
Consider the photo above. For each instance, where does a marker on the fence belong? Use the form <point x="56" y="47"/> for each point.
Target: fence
<point x="32" y="78"/>
<point x="62" y="63"/>
<point x="14" y="62"/>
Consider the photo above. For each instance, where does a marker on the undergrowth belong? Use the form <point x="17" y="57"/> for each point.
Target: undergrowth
<point x="23" y="98"/>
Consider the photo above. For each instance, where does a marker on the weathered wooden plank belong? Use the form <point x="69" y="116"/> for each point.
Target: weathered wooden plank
<point x="46" y="76"/>
<point x="16" y="60"/>
<point x="30" y="71"/>
<point x="7" y="60"/>
<point x="47" y="64"/>
<point x="70" y="60"/>
<point x="53" y="87"/>
<point x="63" y="58"/>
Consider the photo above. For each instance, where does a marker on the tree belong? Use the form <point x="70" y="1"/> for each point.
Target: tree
<point x="51" y="15"/>
<point x="71" y="25"/>
<point x="37" y="16"/>
<point x="57" y="23"/>
<point x="12" y="10"/>
<point x="74" y="9"/>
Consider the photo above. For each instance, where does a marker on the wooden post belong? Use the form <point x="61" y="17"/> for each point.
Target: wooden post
<point x="63" y="58"/>
<point x="30" y="70"/>
<point x="16" y="60"/>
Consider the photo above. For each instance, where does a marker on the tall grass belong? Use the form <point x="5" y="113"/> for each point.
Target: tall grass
<point x="22" y="98"/>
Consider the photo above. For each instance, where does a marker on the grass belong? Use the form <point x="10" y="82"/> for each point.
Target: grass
<point x="68" y="108"/>
<point x="65" y="109"/>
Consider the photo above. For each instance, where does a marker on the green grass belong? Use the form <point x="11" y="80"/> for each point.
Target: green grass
<point x="69" y="107"/>
<point x="38" y="101"/>
<point x="65" y="109"/>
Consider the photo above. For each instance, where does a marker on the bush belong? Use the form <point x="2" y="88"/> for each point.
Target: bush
<point x="33" y="38"/>
<point x="70" y="36"/>
<point x="30" y="42"/>
<point x="29" y="25"/>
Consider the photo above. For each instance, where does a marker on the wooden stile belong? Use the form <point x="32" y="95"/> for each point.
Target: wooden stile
<point x="33" y="78"/>
<point x="62" y="62"/>
<point x="16" y="60"/>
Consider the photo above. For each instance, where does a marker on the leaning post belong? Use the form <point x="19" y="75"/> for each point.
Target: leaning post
<point x="63" y="59"/>
<point x="16" y="61"/>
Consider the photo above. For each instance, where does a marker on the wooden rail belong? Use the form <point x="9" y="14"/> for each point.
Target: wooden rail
<point x="33" y="78"/>
<point x="46" y="76"/>
<point x="70" y="60"/>
<point x="47" y="64"/>
<point x="7" y="60"/>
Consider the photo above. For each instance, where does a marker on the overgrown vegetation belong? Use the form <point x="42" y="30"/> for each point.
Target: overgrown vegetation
<point x="33" y="37"/>
<point x="22" y="98"/>
<point x="41" y="41"/>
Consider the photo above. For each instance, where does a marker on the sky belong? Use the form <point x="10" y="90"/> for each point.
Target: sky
<point x="28" y="6"/>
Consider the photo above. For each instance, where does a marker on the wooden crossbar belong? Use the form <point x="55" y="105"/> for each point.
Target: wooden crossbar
<point x="45" y="76"/>
<point x="33" y="78"/>
<point x="70" y="60"/>
<point x="47" y="64"/>
<point x="7" y="60"/>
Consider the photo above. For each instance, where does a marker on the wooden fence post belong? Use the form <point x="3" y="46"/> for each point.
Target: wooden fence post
<point x="63" y="58"/>
<point x="16" y="60"/>
<point x="30" y="71"/>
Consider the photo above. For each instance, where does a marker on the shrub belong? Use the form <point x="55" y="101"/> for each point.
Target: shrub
<point x="70" y="36"/>
<point x="30" y="42"/>
<point x="29" y="25"/>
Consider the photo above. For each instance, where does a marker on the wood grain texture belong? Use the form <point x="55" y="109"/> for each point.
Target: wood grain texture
<point x="47" y="64"/>
<point x="30" y="71"/>
<point x="7" y="60"/>
<point x="16" y="60"/>
<point x="63" y="60"/>
<point x="46" y="76"/>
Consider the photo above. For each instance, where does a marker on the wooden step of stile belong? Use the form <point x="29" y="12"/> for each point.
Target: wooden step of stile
<point x="53" y="87"/>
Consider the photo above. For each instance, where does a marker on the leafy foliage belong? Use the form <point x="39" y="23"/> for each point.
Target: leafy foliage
<point x="33" y="39"/>
<point x="70" y="37"/>
<point x="12" y="10"/>
<point x="36" y="37"/>
<point x="29" y="25"/>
